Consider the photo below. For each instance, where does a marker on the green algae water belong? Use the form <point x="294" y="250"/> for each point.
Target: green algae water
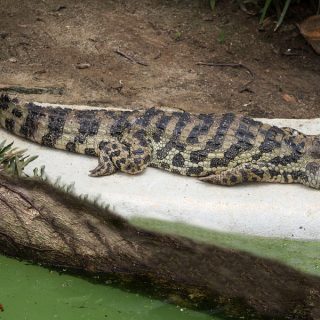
<point x="30" y="292"/>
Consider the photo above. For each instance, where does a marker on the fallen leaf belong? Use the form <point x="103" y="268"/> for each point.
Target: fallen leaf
<point x="288" y="98"/>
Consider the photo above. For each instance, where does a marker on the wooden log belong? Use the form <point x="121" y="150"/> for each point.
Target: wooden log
<point x="43" y="224"/>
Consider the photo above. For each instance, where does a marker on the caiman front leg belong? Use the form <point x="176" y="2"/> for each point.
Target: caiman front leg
<point x="241" y="174"/>
<point x="130" y="154"/>
<point x="105" y="165"/>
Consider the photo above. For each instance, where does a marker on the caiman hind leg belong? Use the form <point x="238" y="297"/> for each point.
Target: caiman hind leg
<point x="130" y="154"/>
<point x="240" y="174"/>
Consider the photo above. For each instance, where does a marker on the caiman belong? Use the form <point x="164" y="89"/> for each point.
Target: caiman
<point x="225" y="149"/>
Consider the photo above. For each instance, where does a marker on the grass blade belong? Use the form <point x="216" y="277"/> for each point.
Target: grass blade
<point x="212" y="5"/>
<point x="264" y="10"/>
<point x="283" y="13"/>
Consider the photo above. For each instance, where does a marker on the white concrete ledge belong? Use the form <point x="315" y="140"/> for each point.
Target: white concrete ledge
<point x="274" y="210"/>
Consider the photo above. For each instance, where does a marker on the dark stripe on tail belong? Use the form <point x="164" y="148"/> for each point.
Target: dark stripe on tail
<point x="89" y="125"/>
<point x="30" y="125"/>
<point x="4" y="102"/>
<point x="56" y="121"/>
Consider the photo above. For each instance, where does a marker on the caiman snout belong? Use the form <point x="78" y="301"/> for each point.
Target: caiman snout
<point x="312" y="167"/>
<point x="313" y="174"/>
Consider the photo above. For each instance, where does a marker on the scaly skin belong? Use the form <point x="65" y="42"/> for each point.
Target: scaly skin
<point x="224" y="149"/>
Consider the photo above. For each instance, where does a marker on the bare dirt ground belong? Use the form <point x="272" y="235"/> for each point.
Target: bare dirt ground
<point x="145" y="53"/>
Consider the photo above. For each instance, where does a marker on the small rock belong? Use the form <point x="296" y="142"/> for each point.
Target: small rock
<point x="13" y="60"/>
<point x="83" y="65"/>
<point x="3" y="35"/>
<point x="42" y="71"/>
<point x="59" y="8"/>
<point x="288" y="98"/>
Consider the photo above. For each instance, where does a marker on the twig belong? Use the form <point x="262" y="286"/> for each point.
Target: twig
<point x="123" y="54"/>
<point x="24" y="90"/>
<point x="293" y="52"/>
<point x="232" y="65"/>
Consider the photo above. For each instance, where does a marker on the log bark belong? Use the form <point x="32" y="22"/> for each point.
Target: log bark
<point x="45" y="225"/>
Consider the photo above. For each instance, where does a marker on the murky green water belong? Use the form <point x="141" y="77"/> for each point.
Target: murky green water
<point x="30" y="292"/>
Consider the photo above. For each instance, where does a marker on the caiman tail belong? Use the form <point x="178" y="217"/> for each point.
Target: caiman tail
<point x="57" y="127"/>
<point x="43" y="125"/>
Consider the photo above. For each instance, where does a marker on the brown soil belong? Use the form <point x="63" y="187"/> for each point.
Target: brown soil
<point x="43" y="42"/>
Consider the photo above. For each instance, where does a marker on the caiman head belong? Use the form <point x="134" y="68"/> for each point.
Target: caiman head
<point x="312" y="165"/>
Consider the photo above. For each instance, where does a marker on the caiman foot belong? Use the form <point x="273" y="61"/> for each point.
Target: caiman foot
<point x="131" y="154"/>
<point x="241" y="174"/>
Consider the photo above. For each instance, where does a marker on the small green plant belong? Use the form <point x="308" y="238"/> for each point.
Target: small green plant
<point x="212" y="4"/>
<point x="282" y="10"/>
<point x="177" y="35"/>
<point x="221" y="37"/>
<point x="13" y="160"/>
<point x="280" y="6"/>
